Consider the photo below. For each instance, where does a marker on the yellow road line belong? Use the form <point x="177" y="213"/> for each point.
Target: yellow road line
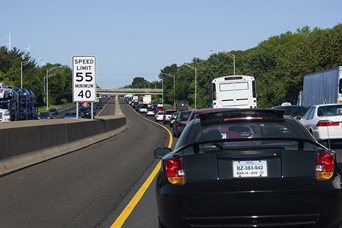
<point x="139" y="194"/>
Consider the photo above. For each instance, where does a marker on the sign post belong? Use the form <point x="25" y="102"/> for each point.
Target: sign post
<point x="84" y="83"/>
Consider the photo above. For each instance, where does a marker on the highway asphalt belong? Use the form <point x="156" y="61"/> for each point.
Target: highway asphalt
<point x="84" y="188"/>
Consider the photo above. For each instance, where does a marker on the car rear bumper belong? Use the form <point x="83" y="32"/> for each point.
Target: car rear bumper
<point x="324" y="133"/>
<point x="250" y="209"/>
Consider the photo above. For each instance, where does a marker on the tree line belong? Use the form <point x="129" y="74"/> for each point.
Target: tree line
<point x="14" y="61"/>
<point x="278" y="65"/>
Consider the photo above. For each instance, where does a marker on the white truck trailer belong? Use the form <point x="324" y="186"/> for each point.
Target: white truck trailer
<point x="324" y="87"/>
<point x="147" y="99"/>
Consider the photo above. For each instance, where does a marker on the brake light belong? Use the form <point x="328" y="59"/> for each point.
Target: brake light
<point x="325" y="165"/>
<point x="327" y="123"/>
<point x="175" y="171"/>
<point x="243" y="118"/>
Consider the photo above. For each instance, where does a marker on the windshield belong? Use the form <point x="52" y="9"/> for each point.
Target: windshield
<point x="183" y="116"/>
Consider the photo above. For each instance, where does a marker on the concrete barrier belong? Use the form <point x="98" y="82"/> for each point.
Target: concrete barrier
<point x="25" y="143"/>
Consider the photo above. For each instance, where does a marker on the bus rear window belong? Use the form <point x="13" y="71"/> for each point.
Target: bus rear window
<point x="254" y="88"/>
<point x="214" y="91"/>
<point x="340" y="86"/>
<point x="234" y="86"/>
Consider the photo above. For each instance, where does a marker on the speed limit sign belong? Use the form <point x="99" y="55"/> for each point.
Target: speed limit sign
<point x="84" y="84"/>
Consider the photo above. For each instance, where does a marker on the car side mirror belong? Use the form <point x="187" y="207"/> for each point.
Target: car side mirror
<point x="161" y="152"/>
<point x="299" y="118"/>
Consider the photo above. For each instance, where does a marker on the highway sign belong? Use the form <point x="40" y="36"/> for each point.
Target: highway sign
<point x="84" y="83"/>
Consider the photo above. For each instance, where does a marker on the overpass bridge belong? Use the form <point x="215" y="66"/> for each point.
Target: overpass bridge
<point x="123" y="91"/>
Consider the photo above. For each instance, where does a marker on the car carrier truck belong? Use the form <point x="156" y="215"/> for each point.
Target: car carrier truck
<point x="324" y="87"/>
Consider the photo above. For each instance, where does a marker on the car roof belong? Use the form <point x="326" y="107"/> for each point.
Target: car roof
<point x="322" y="105"/>
<point x="289" y="106"/>
<point x="242" y="114"/>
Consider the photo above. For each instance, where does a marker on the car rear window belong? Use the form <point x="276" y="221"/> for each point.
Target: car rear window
<point x="293" y="110"/>
<point x="331" y="110"/>
<point x="236" y="130"/>
<point x="183" y="116"/>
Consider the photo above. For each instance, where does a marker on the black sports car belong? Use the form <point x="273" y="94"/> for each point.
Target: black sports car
<point x="248" y="168"/>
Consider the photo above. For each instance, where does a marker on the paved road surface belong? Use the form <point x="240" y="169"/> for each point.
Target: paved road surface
<point x="83" y="188"/>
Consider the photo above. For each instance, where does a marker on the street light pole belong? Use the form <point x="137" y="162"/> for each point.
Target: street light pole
<point x="174" y="91"/>
<point x="232" y="56"/>
<point x="194" y="68"/>
<point x="162" y="90"/>
<point x="47" y="85"/>
<point x="21" y="72"/>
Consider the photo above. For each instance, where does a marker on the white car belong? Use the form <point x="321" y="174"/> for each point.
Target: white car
<point x="143" y="108"/>
<point x="167" y="115"/>
<point x="4" y="112"/>
<point x="324" y="121"/>
<point x="159" y="116"/>
<point x="150" y="112"/>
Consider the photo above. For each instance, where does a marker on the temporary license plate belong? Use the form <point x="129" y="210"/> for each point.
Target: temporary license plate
<point x="243" y="169"/>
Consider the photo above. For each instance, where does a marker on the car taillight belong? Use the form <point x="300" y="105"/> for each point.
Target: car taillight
<point x="327" y="123"/>
<point x="175" y="171"/>
<point x="325" y="165"/>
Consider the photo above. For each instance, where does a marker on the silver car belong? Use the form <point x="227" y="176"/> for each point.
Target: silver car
<point x="324" y="121"/>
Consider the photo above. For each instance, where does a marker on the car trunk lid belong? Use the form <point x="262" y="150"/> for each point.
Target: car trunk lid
<point x="250" y="164"/>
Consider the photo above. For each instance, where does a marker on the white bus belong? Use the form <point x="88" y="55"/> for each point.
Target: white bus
<point x="237" y="91"/>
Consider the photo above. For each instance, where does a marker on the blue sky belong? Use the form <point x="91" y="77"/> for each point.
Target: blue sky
<point x="139" y="38"/>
